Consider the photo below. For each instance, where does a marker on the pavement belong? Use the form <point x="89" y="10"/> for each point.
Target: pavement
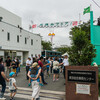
<point x="51" y="91"/>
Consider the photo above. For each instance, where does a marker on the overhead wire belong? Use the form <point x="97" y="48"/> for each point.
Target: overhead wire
<point x="96" y="3"/>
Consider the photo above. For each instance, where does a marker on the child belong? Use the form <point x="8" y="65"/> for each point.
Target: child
<point x="12" y="85"/>
<point x="34" y="69"/>
<point x="14" y="66"/>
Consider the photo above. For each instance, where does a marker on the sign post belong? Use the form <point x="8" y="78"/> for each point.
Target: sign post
<point x="81" y="83"/>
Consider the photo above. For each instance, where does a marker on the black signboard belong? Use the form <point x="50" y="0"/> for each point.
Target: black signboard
<point x="81" y="76"/>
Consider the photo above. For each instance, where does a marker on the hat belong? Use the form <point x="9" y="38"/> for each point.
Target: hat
<point x="11" y="74"/>
<point x="95" y="64"/>
<point x="29" y="57"/>
<point x="65" y="55"/>
<point x="35" y="64"/>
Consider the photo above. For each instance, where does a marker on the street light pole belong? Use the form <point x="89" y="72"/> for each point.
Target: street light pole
<point x="52" y="35"/>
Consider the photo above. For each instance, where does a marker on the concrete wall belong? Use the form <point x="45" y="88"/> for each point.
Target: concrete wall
<point x="25" y="56"/>
<point x="10" y="17"/>
<point x="20" y="54"/>
<point x="1" y="53"/>
<point x="12" y="44"/>
<point x="11" y="26"/>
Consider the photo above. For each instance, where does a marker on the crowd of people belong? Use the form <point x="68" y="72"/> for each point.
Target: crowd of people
<point x="8" y="70"/>
<point x="37" y="67"/>
<point x="36" y="70"/>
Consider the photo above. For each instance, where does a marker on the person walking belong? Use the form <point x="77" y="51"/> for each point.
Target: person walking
<point x="35" y="79"/>
<point x="28" y="64"/>
<point x="48" y="66"/>
<point x="40" y="63"/>
<point x="51" y="64"/>
<point x="2" y="79"/>
<point x="17" y="66"/>
<point x="8" y="65"/>
<point x="55" y="69"/>
<point x="65" y="64"/>
<point x="14" y="66"/>
<point x="60" y="61"/>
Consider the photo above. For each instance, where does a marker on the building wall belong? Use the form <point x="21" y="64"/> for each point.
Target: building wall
<point x="12" y="44"/>
<point x="10" y="17"/>
<point x="20" y="56"/>
<point x="1" y="53"/>
<point x="25" y="56"/>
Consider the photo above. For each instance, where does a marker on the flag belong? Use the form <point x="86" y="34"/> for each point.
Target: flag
<point x="30" y="27"/>
<point x="86" y="10"/>
<point x="74" y="23"/>
<point x="34" y="26"/>
<point x="80" y="22"/>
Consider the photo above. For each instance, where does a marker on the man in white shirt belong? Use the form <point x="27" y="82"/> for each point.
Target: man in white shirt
<point x="65" y="63"/>
<point x="28" y="64"/>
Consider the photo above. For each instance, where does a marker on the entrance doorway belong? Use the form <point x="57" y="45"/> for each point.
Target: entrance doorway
<point x="12" y="54"/>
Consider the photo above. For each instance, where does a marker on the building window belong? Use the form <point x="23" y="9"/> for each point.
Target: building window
<point x="31" y="55"/>
<point x="25" y="40"/>
<point x="8" y="36"/>
<point x="31" y="41"/>
<point x="17" y="38"/>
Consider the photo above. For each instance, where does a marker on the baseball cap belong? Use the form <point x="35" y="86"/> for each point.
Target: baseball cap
<point x="34" y="64"/>
<point x="11" y="74"/>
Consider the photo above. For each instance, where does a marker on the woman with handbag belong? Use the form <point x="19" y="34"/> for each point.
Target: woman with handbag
<point x="55" y="69"/>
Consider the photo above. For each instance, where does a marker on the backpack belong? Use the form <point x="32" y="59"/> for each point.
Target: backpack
<point x="34" y="70"/>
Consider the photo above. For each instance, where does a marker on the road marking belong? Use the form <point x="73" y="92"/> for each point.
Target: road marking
<point x="30" y="97"/>
<point x="26" y="93"/>
<point x="46" y="91"/>
<point x="2" y="98"/>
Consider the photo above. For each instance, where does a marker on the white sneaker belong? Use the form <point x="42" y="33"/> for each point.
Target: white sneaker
<point x="57" y="79"/>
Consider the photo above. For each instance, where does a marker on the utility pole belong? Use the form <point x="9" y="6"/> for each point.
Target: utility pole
<point x="51" y="36"/>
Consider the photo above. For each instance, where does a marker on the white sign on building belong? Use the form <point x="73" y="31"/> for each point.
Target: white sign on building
<point x="82" y="89"/>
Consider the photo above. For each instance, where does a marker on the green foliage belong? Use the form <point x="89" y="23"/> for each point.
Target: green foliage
<point x="47" y="45"/>
<point x="63" y="49"/>
<point x="82" y="51"/>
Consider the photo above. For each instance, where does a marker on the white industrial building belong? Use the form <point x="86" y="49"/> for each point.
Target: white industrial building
<point x="14" y="40"/>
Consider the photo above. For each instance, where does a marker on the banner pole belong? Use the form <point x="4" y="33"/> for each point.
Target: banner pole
<point x="91" y="26"/>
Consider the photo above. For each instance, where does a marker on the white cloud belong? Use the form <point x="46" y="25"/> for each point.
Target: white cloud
<point x="42" y="11"/>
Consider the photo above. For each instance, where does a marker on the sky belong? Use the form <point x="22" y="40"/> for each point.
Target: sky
<point x="48" y="11"/>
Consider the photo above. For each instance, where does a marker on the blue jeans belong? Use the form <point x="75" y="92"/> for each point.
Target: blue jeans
<point x="3" y="83"/>
<point x="47" y="69"/>
<point x="27" y="69"/>
<point x="42" y="76"/>
<point x="64" y="72"/>
<point x="17" y="70"/>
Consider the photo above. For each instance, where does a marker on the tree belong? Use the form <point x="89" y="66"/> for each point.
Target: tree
<point x="82" y="51"/>
<point x="63" y="49"/>
<point x="46" y="45"/>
